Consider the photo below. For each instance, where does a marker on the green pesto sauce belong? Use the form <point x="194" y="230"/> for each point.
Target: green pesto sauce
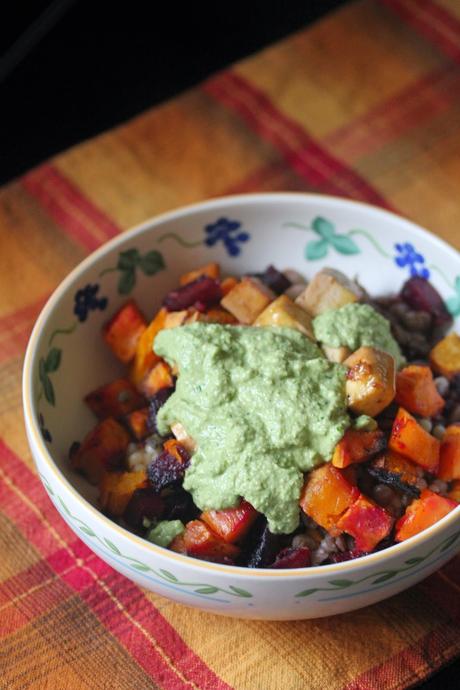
<point x="355" y="325"/>
<point x="263" y="406"/>
<point x="165" y="531"/>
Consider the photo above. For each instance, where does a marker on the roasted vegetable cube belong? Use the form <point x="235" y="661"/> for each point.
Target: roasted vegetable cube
<point x="336" y="354"/>
<point x="103" y="448"/>
<point x="138" y="423"/>
<point x="203" y="290"/>
<point x="275" y="280"/>
<point x="167" y="469"/>
<point x="117" y="488"/>
<point x="326" y="496"/>
<point x="454" y="493"/>
<point x="420" y="295"/>
<point x="159" y="377"/>
<point x="144" y="503"/>
<point x="412" y="441"/>
<point x="211" y="270"/>
<point x="115" y="399"/>
<point x="214" y="315"/>
<point x="123" y="331"/>
<point x="228" y="284"/>
<point x="417" y="392"/>
<point x="422" y="513"/>
<point x="247" y="299"/>
<point x="145" y="358"/>
<point x="201" y="542"/>
<point x="177" y="449"/>
<point x="182" y="436"/>
<point x="176" y="318"/>
<point x="329" y="289"/>
<point x="398" y="472"/>
<point x="231" y="524"/>
<point x="370" y="385"/>
<point x="367" y="522"/>
<point x="449" y="459"/>
<point x="284" y="312"/>
<point x="357" y="446"/>
<point x="293" y="557"/>
<point x="445" y="356"/>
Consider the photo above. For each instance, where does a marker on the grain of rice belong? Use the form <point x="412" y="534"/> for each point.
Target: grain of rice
<point x="439" y="430"/>
<point x="442" y="384"/>
<point x="426" y="424"/>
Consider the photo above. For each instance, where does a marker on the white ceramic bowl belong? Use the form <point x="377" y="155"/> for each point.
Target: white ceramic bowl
<point x="66" y="358"/>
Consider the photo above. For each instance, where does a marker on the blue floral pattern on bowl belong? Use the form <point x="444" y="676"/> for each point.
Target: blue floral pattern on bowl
<point x="227" y="231"/>
<point x="408" y="256"/>
<point x="86" y="300"/>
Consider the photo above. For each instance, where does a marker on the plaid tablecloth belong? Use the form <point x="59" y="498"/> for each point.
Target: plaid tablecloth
<point x="364" y="104"/>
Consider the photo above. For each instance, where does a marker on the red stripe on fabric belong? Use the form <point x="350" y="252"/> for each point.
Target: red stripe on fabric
<point x="432" y="95"/>
<point x="15" y="329"/>
<point x="298" y="148"/>
<point x="412" y="664"/>
<point x="432" y="21"/>
<point x="69" y="208"/>
<point x="103" y="589"/>
<point x="267" y="175"/>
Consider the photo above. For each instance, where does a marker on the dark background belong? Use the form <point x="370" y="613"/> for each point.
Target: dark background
<point x="72" y="68"/>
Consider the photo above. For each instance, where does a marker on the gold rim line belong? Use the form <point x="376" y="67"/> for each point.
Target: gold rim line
<point x="129" y="235"/>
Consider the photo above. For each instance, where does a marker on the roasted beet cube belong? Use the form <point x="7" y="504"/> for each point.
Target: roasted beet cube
<point x="180" y="506"/>
<point x="293" y="558"/>
<point x="115" y="399"/>
<point x="264" y="548"/>
<point x="166" y="470"/>
<point x="157" y="401"/>
<point x="419" y="294"/>
<point x="205" y="291"/>
<point x="349" y="555"/>
<point x="275" y="280"/>
<point x="144" y="503"/>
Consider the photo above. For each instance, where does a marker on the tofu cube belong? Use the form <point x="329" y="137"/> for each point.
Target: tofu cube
<point x="247" y="300"/>
<point x="284" y="312"/>
<point x="445" y="356"/>
<point x="182" y="436"/>
<point x="336" y="354"/>
<point x="175" y="318"/>
<point x="371" y="381"/>
<point x="329" y="289"/>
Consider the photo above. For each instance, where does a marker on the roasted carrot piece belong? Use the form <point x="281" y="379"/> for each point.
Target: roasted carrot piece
<point x="357" y="446"/>
<point x="422" y="513"/>
<point x="411" y="440"/>
<point x="215" y="315"/>
<point x="116" y="489"/>
<point x="177" y="449"/>
<point x="228" y="284"/>
<point x="178" y="544"/>
<point x="103" y="448"/>
<point x="449" y="461"/>
<point x="115" y="399"/>
<point x="417" y="392"/>
<point x="137" y="423"/>
<point x="454" y="492"/>
<point x="231" y="524"/>
<point x="445" y="356"/>
<point x="201" y="542"/>
<point x="211" y="270"/>
<point x="123" y="331"/>
<point x="145" y="358"/>
<point x="367" y="522"/>
<point x="395" y="470"/>
<point x="326" y="495"/>
<point x="159" y="377"/>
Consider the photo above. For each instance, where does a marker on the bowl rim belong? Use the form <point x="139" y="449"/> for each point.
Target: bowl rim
<point x="31" y="416"/>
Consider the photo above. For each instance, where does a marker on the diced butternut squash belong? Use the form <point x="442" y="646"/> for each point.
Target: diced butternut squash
<point x="159" y="377"/>
<point x="370" y="385"/>
<point x="116" y="489"/>
<point x="422" y="513"/>
<point x="247" y="299"/>
<point x="145" y="358"/>
<point x="182" y="436"/>
<point x="211" y="270"/>
<point x="336" y="354"/>
<point x="449" y="458"/>
<point x="329" y="289"/>
<point x="412" y="441"/>
<point x="176" y="318"/>
<point x="104" y="448"/>
<point x="284" y="312"/>
<point x="215" y="315"/>
<point x="231" y="524"/>
<point x="445" y="356"/>
<point x="357" y="446"/>
<point x="326" y="496"/>
<point x="177" y="450"/>
<point x="201" y="542"/>
<point x="137" y="423"/>
<point x="178" y="545"/>
<point x="115" y="399"/>
<point x="228" y="284"/>
<point x="417" y="392"/>
<point x="367" y="522"/>
<point x="123" y="331"/>
<point x="395" y="470"/>
<point x="454" y="493"/>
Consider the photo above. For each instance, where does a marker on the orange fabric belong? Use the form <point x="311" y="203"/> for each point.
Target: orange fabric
<point x="362" y="104"/>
